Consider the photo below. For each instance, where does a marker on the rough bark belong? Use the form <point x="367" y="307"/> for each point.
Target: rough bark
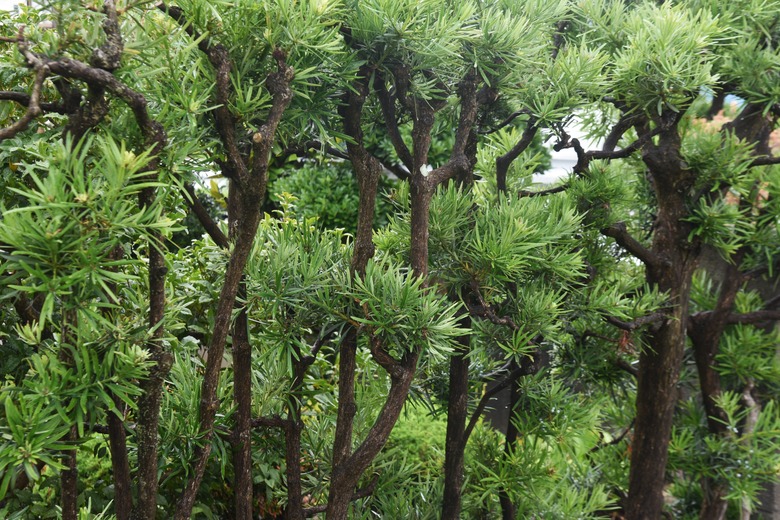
<point x="346" y="475"/>
<point x="69" y="480"/>
<point x="660" y="361"/>
<point x="368" y="170"/>
<point x="292" y="435"/>
<point x="242" y="428"/>
<point x="510" y="439"/>
<point x="457" y="413"/>
<point x="120" y="465"/>
<point x="250" y="188"/>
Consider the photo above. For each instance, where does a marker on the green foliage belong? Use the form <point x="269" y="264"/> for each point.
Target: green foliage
<point x="328" y="192"/>
<point x="535" y="272"/>
<point x="419" y="438"/>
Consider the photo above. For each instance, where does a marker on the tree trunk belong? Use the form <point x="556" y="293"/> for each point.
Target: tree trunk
<point x="674" y="260"/>
<point x="510" y="439"/>
<point x="120" y="465"/>
<point x="346" y="475"/>
<point x="149" y="403"/>
<point x="292" y="436"/>
<point x="208" y="401"/>
<point x="242" y="433"/>
<point x="705" y="332"/>
<point x="457" y="412"/>
<point x="656" y="399"/>
<point x="69" y="479"/>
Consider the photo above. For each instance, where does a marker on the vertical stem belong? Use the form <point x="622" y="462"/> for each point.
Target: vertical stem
<point x="342" y="443"/>
<point x="120" y="465"/>
<point x="507" y="507"/>
<point x="421" y="203"/>
<point x="242" y="430"/>
<point x="457" y="412"/>
<point x="151" y="399"/>
<point x="69" y="480"/>
<point x="293" y="444"/>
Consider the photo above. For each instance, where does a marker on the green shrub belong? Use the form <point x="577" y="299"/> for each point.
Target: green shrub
<point x="329" y="192"/>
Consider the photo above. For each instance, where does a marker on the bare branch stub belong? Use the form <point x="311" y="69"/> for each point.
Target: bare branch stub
<point x="41" y="69"/>
<point x="33" y="107"/>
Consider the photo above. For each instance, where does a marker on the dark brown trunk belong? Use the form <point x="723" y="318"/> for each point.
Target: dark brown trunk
<point x="656" y="398"/>
<point x="346" y="475"/>
<point x="510" y="439"/>
<point x="342" y="443"/>
<point x="706" y="330"/>
<point x="661" y="360"/>
<point x="69" y="479"/>
<point x="421" y="203"/>
<point x="149" y="402"/>
<point x="120" y="465"/>
<point x="222" y="319"/>
<point x="457" y="413"/>
<point x="714" y="505"/>
<point x="292" y="437"/>
<point x="248" y="191"/>
<point x="242" y="429"/>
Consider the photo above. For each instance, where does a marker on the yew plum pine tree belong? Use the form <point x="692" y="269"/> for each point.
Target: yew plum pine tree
<point x="298" y="347"/>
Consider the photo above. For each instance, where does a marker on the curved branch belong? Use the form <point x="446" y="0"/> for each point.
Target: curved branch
<point x="24" y="100"/>
<point x="754" y="317"/>
<point x="550" y="191"/>
<point x="639" y="322"/>
<point x="33" y="105"/>
<point x="503" y="162"/>
<point x="505" y="122"/>
<point x="621" y="235"/>
<point x="387" y="103"/>
<point x="219" y="58"/>
<point x="203" y="216"/>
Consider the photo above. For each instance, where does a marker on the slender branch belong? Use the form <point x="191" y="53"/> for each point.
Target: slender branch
<point x="754" y="317"/>
<point x="550" y="191"/>
<point x="765" y="161"/>
<point x="509" y="379"/>
<point x="638" y="322"/>
<point x="614" y="441"/>
<point x="623" y="152"/>
<point x="219" y="58"/>
<point x="505" y="122"/>
<point x="503" y="162"/>
<point x="621" y="235"/>
<point x="24" y="100"/>
<point x="33" y="104"/>
<point x="627" y="367"/>
<point x="315" y="349"/>
<point x="387" y="103"/>
<point x="305" y="147"/>
<point x="197" y="207"/>
<point x="485" y="310"/>
<point x="500" y="370"/>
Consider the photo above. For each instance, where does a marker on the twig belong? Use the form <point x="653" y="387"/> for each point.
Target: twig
<point x="614" y="441"/>
<point x="550" y="191"/>
<point x="638" y="322"/>
<point x="505" y="122"/>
